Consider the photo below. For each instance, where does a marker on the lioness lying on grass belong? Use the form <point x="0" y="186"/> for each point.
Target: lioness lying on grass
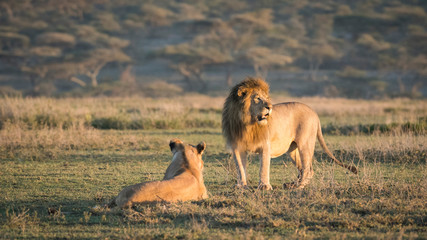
<point x="183" y="179"/>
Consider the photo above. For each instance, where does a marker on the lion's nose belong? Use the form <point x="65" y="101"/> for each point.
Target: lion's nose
<point x="268" y="107"/>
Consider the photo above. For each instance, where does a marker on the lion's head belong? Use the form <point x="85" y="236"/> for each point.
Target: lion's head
<point x="246" y="112"/>
<point x="185" y="157"/>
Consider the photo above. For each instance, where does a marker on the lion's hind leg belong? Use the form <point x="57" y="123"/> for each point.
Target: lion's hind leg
<point x="296" y="160"/>
<point x="306" y="156"/>
<point x="302" y="158"/>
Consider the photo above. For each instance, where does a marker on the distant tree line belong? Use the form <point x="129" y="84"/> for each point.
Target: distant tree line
<point x="51" y="41"/>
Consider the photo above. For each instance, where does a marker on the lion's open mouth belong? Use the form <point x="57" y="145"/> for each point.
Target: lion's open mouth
<point x="263" y="117"/>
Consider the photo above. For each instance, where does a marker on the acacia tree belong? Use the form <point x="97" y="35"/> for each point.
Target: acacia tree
<point x="263" y="58"/>
<point x="317" y="53"/>
<point x="227" y="43"/>
<point x="47" y="62"/>
<point x="190" y="60"/>
<point x="97" y="59"/>
<point x="230" y="45"/>
<point x="318" y="38"/>
<point x="75" y="52"/>
<point x="71" y="70"/>
<point x="46" y="72"/>
<point x="410" y="71"/>
<point x="230" y="40"/>
<point x="37" y="60"/>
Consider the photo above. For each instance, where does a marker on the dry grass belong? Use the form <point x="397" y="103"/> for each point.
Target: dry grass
<point x="52" y="176"/>
<point x="187" y="111"/>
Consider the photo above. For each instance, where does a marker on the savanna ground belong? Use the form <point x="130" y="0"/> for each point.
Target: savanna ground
<point x="61" y="157"/>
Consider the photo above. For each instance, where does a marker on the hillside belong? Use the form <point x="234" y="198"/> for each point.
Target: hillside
<point x="333" y="48"/>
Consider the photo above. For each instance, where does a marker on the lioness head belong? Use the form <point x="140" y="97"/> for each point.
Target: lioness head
<point x="254" y="94"/>
<point x="187" y="155"/>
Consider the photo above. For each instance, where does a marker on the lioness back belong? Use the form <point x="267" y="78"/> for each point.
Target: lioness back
<point x="181" y="188"/>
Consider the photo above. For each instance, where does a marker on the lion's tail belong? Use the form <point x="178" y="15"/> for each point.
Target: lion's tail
<point x="329" y="153"/>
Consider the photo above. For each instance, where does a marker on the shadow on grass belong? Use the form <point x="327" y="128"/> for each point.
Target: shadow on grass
<point x="64" y="212"/>
<point x="402" y="157"/>
<point x="341" y="209"/>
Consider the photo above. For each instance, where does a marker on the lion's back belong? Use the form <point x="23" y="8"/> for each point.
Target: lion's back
<point x="293" y="110"/>
<point x="290" y="121"/>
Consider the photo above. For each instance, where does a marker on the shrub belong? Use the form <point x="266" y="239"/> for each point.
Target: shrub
<point x="115" y="122"/>
<point x="351" y="72"/>
<point x="6" y="91"/>
<point x="419" y="127"/>
<point x="56" y="39"/>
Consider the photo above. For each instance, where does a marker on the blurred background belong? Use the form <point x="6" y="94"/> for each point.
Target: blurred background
<point x="370" y="49"/>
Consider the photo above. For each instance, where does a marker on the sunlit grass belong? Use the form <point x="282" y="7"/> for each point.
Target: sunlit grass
<point x="194" y="111"/>
<point x="51" y="177"/>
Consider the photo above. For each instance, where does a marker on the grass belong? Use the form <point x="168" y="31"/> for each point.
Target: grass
<point x="51" y="176"/>
<point x="342" y="116"/>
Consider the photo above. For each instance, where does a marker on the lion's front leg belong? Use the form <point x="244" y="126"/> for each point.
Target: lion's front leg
<point x="264" y="172"/>
<point x="241" y="161"/>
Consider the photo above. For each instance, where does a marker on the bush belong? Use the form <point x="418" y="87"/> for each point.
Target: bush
<point x="161" y="89"/>
<point x="56" y="39"/>
<point x="50" y="120"/>
<point x="6" y="91"/>
<point x="119" y="123"/>
<point x="419" y="127"/>
<point x="351" y="72"/>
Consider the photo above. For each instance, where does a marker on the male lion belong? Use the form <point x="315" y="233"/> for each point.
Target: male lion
<point x="183" y="179"/>
<point x="250" y="123"/>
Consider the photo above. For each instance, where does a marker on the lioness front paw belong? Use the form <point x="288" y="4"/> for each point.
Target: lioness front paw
<point x="265" y="186"/>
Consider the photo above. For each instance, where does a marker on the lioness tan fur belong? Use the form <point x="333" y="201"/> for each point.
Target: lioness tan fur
<point x="183" y="179"/>
<point x="250" y="123"/>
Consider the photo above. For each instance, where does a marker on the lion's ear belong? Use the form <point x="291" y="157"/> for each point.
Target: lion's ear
<point x="175" y="143"/>
<point x="201" y="147"/>
<point x="241" y="92"/>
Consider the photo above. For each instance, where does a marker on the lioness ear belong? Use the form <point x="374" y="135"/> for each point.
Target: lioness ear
<point x="173" y="144"/>
<point x="201" y="147"/>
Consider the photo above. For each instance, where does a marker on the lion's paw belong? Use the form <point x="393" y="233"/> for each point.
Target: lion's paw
<point x="263" y="186"/>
